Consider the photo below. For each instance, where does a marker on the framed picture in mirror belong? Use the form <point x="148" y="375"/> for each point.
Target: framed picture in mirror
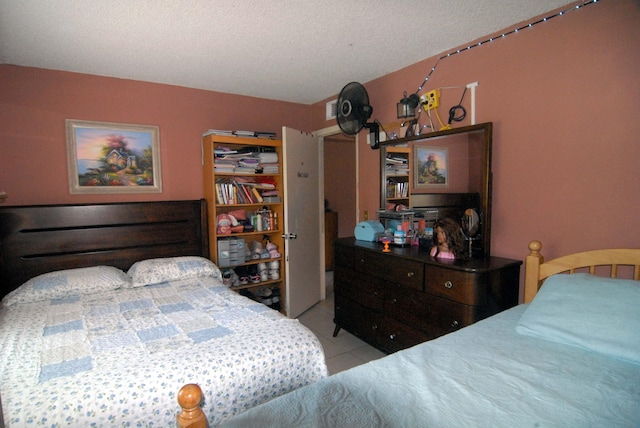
<point x="431" y="169"/>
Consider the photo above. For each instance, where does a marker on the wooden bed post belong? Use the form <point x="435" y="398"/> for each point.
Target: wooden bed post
<point x="191" y="415"/>
<point x="531" y="271"/>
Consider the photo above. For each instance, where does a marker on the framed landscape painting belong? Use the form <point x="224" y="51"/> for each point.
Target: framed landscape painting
<point x="107" y="157"/>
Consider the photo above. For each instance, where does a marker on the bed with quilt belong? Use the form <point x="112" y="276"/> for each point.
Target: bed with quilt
<point x="570" y="357"/>
<point x="108" y="332"/>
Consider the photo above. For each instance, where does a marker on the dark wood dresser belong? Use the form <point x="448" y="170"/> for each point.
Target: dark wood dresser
<point x="398" y="299"/>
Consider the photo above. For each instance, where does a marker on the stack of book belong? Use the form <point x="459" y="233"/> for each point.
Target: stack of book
<point x="224" y="161"/>
<point x="397" y="166"/>
<point x="266" y="135"/>
<point x="271" y="195"/>
<point x="269" y="162"/>
<point x="217" y="132"/>
<point x="245" y="134"/>
<point x="247" y="162"/>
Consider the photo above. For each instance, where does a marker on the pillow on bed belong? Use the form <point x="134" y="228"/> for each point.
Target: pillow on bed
<point x="592" y="312"/>
<point x="65" y="283"/>
<point x="155" y="271"/>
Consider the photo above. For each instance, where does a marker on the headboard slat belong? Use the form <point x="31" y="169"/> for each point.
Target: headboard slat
<point x="25" y="244"/>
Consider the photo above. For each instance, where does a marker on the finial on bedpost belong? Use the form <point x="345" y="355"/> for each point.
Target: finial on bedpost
<point x="191" y="415"/>
<point x="535" y="247"/>
<point x="531" y="271"/>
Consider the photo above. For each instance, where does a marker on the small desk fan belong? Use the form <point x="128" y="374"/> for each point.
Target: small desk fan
<point x="354" y="111"/>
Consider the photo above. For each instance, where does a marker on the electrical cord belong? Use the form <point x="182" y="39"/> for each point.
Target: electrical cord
<point x="429" y="117"/>
<point x="454" y="109"/>
<point x="443" y="127"/>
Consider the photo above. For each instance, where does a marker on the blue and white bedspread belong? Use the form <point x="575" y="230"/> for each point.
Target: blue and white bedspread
<point x="485" y="375"/>
<point x="119" y="358"/>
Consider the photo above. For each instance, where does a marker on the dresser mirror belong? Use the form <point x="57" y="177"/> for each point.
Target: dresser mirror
<point x="448" y="171"/>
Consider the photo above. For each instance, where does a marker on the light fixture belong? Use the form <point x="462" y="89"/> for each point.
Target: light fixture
<point x="407" y="106"/>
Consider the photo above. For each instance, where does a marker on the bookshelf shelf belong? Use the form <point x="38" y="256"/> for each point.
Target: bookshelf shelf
<point x="251" y="234"/>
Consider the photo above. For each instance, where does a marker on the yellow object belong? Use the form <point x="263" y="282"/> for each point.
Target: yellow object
<point x="432" y="100"/>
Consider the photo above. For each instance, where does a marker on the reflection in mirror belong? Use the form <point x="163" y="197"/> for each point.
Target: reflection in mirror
<point x="450" y="171"/>
<point x="470" y="227"/>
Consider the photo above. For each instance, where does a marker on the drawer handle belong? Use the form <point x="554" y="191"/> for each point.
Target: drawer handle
<point x="374" y="327"/>
<point x="454" y="324"/>
<point x="448" y="284"/>
<point x="410" y="274"/>
<point x="392" y="336"/>
<point x="362" y="261"/>
<point x="394" y="301"/>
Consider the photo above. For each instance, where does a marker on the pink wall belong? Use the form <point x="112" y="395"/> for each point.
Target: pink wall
<point x="34" y="104"/>
<point x="563" y="97"/>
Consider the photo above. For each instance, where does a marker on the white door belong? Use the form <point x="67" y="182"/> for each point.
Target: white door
<point x="304" y="221"/>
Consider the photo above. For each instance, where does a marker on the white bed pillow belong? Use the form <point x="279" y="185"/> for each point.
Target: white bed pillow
<point x="156" y="271"/>
<point x="65" y="283"/>
<point x="592" y="312"/>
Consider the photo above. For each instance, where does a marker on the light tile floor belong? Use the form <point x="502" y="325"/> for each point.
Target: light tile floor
<point x="343" y="351"/>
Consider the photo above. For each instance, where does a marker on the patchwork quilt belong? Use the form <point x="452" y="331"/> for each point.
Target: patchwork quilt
<point x="119" y="357"/>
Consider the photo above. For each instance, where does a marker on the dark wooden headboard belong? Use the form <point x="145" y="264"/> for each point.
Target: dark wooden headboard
<point x="45" y="238"/>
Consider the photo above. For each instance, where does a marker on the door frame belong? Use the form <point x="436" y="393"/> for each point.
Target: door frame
<point x="321" y="134"/>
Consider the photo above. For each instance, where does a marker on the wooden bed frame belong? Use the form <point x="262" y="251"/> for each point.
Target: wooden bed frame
<point x="45" y="238"/>
<point x="537" y="270"/>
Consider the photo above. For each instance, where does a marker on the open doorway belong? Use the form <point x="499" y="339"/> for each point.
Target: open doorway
<point x="340" y="190"/>
<point x="340" y="180"/>
<point x="338" y="162"/>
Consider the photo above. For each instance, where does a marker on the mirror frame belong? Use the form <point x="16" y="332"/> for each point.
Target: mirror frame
<point x="485" y="193"/>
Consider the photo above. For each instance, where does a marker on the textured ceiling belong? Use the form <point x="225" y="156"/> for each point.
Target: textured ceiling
<point x="291" y="50"/>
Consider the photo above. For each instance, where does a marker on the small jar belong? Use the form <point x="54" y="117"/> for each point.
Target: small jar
<point x="399" y="236"/>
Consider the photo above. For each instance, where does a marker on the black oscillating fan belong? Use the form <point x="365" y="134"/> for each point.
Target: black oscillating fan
<point x="354" y="111"/>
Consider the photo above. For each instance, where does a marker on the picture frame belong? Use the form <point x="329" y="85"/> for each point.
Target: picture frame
<point x="431" y="167"/>
<point x="107" y="157"/>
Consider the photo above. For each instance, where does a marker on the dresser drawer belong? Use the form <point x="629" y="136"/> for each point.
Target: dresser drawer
<point x="464" y="287"/>
<point x="392" y="336"/>
<point x="402" y="272"/>
<point x="344" y="256"/>
<point x="357" y="319"/>
<point x="430" y="314"/>
<point x="364" y="289"/>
